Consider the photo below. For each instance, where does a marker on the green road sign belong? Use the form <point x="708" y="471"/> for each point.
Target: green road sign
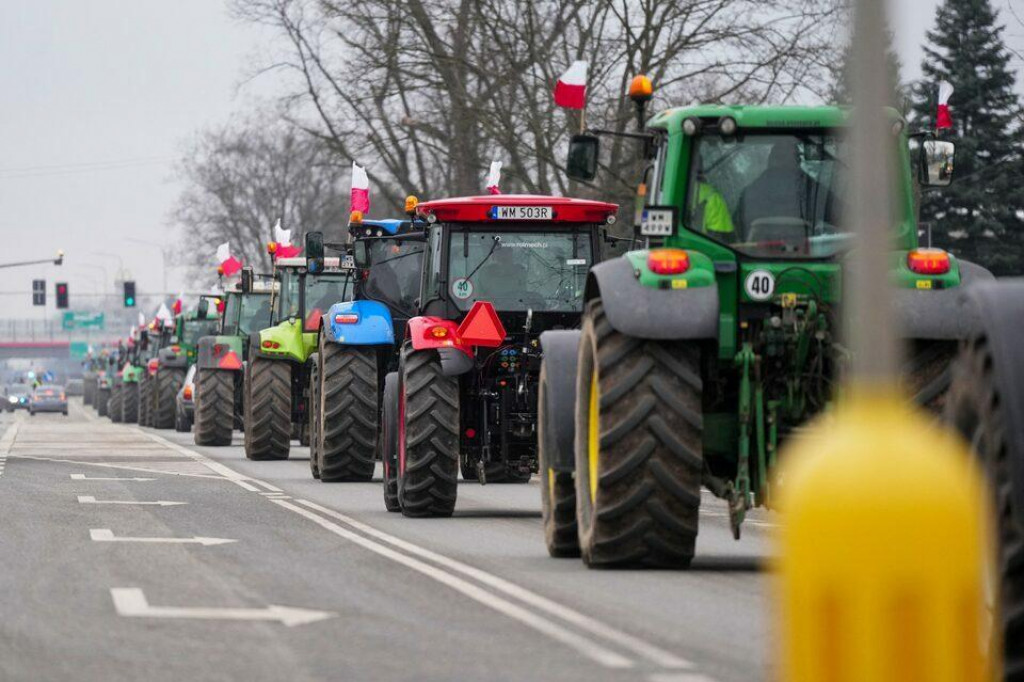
<point x="79" y="349"/>
<point x="73" y="320"/>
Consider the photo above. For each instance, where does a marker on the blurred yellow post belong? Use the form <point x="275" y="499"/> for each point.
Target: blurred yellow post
<point x="885" y="531"/>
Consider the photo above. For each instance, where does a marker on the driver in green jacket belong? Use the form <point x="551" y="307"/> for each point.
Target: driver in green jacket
<point x="711" y="213"/>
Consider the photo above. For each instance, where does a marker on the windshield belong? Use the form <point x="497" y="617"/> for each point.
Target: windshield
<point x="287" y="304"/>
<point x="394" y="275"/>
<point x="48" y="391"/>
<point x="542" y="271"/>
<point x="322" y="292"/>
<point x="770" y="195"/>
<point x="246" y="313"/>
<point x="196" y="329"/>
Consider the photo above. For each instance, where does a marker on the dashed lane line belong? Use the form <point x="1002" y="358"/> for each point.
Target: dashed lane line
<point x="6" y="442"/>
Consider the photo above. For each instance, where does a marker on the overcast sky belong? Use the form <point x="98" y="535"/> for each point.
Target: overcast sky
<point x="98" y="98"/>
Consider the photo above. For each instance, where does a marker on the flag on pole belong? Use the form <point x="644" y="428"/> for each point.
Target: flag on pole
<point x="142" y="320"/>
<point x="571" y="87"/>
<point x="229" y="265"/>
<point x="943" y="120"/>
<point x="360" y="197"/>
<point x="494" y="177"/>
<point x="178" y="304"/>
<point x="163" y="314"/>
<point x="282" y="246"/>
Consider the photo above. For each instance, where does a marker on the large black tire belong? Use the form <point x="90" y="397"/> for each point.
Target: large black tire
<point x="214" y="407"/>
<point x="268" y="419"/>
<point x="976" y="409"/>
<point x="428" y="440"/>
<point x="388" y="441"/>
<point x="143" y="400"/>
<point x="168" y="383"/>
<point x="102" y="401"/>
<point x="558" y="488"/>
<point x="88" y="390"/>
<point x="927" y="374"/>
<point x="643" y="506"/>
<point x="114" y="404"/>
<point x="313" y="415"/>
<point x="130" y="403"/>
<point x="348" y="412"/>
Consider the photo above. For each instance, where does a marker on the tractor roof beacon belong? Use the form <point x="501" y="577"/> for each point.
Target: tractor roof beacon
<point x="708" y="347"/>
<point x="492" y="263"/>
<point x="358" y="345"/>
<point x="276" y="378"/>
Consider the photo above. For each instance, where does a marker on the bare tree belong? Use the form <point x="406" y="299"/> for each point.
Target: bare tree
<point x="426" y="94"/>
<point x="240" y="180"/>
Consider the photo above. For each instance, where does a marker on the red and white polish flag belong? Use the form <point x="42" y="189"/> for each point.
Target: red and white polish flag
<point x="283" y="238"/>
<point x="571" y="88"/>
<point x="943" y="120"/>
<point x="178" y="304"/>
<point x="494" y="178"/>
<point x="229" y="265"/>
<point x="360" y="198"/>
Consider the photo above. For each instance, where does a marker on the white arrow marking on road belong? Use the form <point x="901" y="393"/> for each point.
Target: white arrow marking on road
<point x="107" y="535"/>
<point x="89" y="499"/>
<point x="83" y="477"/>
<point x="131" y="603"/>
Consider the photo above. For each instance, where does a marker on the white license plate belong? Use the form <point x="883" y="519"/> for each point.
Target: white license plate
<point x="656" y="222"/>
<point x="523" y="212"/>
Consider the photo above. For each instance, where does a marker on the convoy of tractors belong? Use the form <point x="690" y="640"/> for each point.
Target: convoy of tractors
<point x="490" y="338"/>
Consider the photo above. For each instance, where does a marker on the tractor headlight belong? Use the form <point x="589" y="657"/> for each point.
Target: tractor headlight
<point x="691" y="126"/>
<point x="727" y="126"/>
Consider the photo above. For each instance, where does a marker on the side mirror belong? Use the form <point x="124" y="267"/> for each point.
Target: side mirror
<point x="582" y="161"/>
<point x="315" y="251"/>
<point x="361" y="254"/>
<point x="937" y="162"/>
<point x="246" y="283"/>
<point x="204" y="306"/>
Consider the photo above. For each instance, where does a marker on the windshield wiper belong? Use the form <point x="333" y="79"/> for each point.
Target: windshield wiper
<point x="494" y="246"/>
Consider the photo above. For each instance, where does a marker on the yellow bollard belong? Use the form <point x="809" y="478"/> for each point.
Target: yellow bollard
<point x="883" y="545"/>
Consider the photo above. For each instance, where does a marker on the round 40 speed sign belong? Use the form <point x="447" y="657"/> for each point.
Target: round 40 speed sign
<point x="759" y="285"/>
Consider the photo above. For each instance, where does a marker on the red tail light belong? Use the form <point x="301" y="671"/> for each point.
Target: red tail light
<point x="668" y="261"/>
<point x="187" y="392"/>
<point x="270" y="344"/>
<point x="928" y="261"/>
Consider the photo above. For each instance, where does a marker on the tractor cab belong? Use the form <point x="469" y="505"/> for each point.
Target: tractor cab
<point x="305" y="296"/>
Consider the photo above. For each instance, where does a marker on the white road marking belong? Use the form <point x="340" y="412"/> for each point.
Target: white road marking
<point x="225" y="472"/>
<point x="83" y="477"/>
<point x="89" y="499"/>
<point x="6" y="442"/>
<point x="680" y="677"/>
<point x="595" y="627"/>
<point x="131" y="602"/>
<point x="107" y="535"/>
<point x="118" y="466"/>
<point x="588" y="647"/>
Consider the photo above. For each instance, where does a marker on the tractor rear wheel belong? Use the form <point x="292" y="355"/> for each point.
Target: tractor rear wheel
<point x="268" y="419"/>
<point x="558" y="489"/>
<point x="130" y="403"/>
<point x="927" y="372"/>
<point x="114" y="406"/>
<point x="144" y="396"/>
<point x="348" y="425"/>
<point x="314" y="413"/>
<point x="168" y="383"/>
<point x="88" y="390"/>
<point x="639" y="450"/>
<point x="388" y="441"/>
<point x="976" y="409"/>
<point x="428" y="439"/>
<point x="102" y="401"/>
<point x="214" y="407"/>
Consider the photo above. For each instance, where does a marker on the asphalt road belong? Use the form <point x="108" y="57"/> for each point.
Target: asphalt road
<point x="258" y="572"/>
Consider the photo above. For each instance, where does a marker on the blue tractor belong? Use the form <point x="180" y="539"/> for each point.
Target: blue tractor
<point x="357" y="345"/>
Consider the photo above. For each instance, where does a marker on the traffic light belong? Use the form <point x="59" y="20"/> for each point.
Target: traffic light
<point x="62" y="295"/>
<point x="129" y="294"/>
<point x="39" y="292"/>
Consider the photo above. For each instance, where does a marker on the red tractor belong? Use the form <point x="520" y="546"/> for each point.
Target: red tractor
<point x="498" y="270"/>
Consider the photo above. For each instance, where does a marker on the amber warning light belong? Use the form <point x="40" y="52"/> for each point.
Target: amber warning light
<point x="928" y="261"/>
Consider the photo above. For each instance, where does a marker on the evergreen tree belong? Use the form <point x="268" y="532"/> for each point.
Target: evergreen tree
<point x="842" y="85"/>
<point x="979" y="216"/>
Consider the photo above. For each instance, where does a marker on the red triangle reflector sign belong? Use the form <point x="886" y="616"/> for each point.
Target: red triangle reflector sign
<point x="482" y="327"/>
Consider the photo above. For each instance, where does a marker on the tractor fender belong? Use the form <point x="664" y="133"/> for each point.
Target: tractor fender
<point x="940" y="314"/>
<point x="560" y="360"/>
<point x="1000" y="312"/>
<point x="214" y="352"/>
<point x="168" y="357"/>
<point x="373" y="327"/>
<point x="456" y="357"/>
<point x="648" y="313"/>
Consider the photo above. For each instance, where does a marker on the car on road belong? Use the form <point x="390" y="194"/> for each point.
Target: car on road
<point x="74" y="387"/>
<point x="48" y="398"/>
<point x="16" y="397"/>
<point x="184" y="404"/>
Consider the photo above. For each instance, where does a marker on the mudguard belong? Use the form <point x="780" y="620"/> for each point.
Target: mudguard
<point x="172" y="358"/>
<point x="373" y="325"/>
<point x="940" y="314"/>
<point x="220" y="352"/>
<point x="560" y="361"/>
<point x="456" y="357"/>
<point x="284" y="342"/>
<point x="1000" y="314"/>
<point x="649" y="313"/>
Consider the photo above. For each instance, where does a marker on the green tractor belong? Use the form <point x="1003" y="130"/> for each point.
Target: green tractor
<point x="123" y="405"/>
<point x="700" y="354"/>
<point x="278" y="371"/>
<point x="155" y="336"/>
<point x="105" y="373"/>
<point x="222" y="357"/>
<point x="172" y="360"/>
